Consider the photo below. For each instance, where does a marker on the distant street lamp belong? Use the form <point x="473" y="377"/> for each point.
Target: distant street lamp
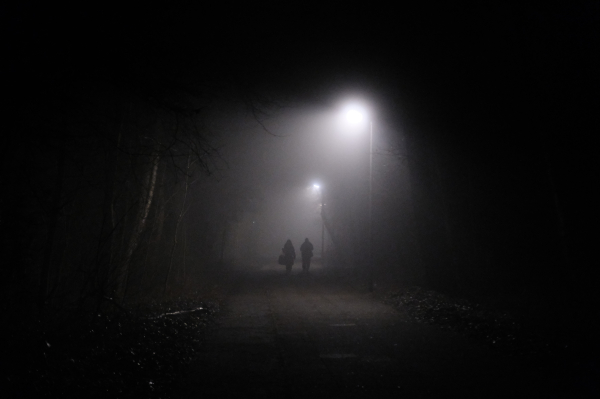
<point x="357" y="115"/>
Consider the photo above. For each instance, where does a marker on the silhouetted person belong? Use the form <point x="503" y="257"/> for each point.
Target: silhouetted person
<point x="290" y="255"/>
<point x="307" y="252"/>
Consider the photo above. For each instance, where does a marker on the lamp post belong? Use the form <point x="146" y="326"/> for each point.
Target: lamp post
<point x="371" y="206"/>
<point x="322" y="228"/>
<point x="355" y="114"/>
<point x="320" y="189"/>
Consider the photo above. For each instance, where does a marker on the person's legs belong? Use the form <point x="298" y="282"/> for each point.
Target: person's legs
<point x="305" y="262"/>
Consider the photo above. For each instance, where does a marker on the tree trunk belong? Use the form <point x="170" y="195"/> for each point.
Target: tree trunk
<point x="105" y="250"/>
<point x="340" y="249"/>
<point x="187" y="178"/>
<point x="560" y="220"/>
<point x="223" y="238"/>
<point x="140" y="224"/>
<point x="52" y="223"/>
<point x="184" y="245"/>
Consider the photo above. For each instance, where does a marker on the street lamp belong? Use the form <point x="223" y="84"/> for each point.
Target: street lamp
<point x="356" y="115"/>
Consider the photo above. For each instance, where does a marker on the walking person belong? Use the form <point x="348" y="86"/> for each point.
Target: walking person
<point x="290" y="255"/>
<point x="307" y="252"/>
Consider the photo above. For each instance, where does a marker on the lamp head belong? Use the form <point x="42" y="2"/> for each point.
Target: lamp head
<point x="355" y="114"/>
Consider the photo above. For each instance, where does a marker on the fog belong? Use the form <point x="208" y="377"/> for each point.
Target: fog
<point x="276" y="169"/>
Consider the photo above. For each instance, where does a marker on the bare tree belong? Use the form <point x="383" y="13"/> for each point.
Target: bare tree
<point x="180" y="216"/>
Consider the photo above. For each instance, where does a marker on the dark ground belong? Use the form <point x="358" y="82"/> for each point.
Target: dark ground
<point x="252" y="331"/>
<point x="301" y="336"/>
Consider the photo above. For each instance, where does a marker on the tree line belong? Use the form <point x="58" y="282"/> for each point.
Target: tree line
<point x="96" y="185"/>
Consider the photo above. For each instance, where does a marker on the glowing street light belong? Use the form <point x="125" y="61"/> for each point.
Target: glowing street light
<point x="354" y="114"/>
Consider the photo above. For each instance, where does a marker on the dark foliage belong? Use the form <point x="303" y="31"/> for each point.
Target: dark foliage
<point x="136" y="353"/>
<point x="563" y="357"/>
<point x="502" y="330"/>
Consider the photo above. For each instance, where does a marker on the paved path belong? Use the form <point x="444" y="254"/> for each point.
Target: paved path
<point x="308" y="336"/>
